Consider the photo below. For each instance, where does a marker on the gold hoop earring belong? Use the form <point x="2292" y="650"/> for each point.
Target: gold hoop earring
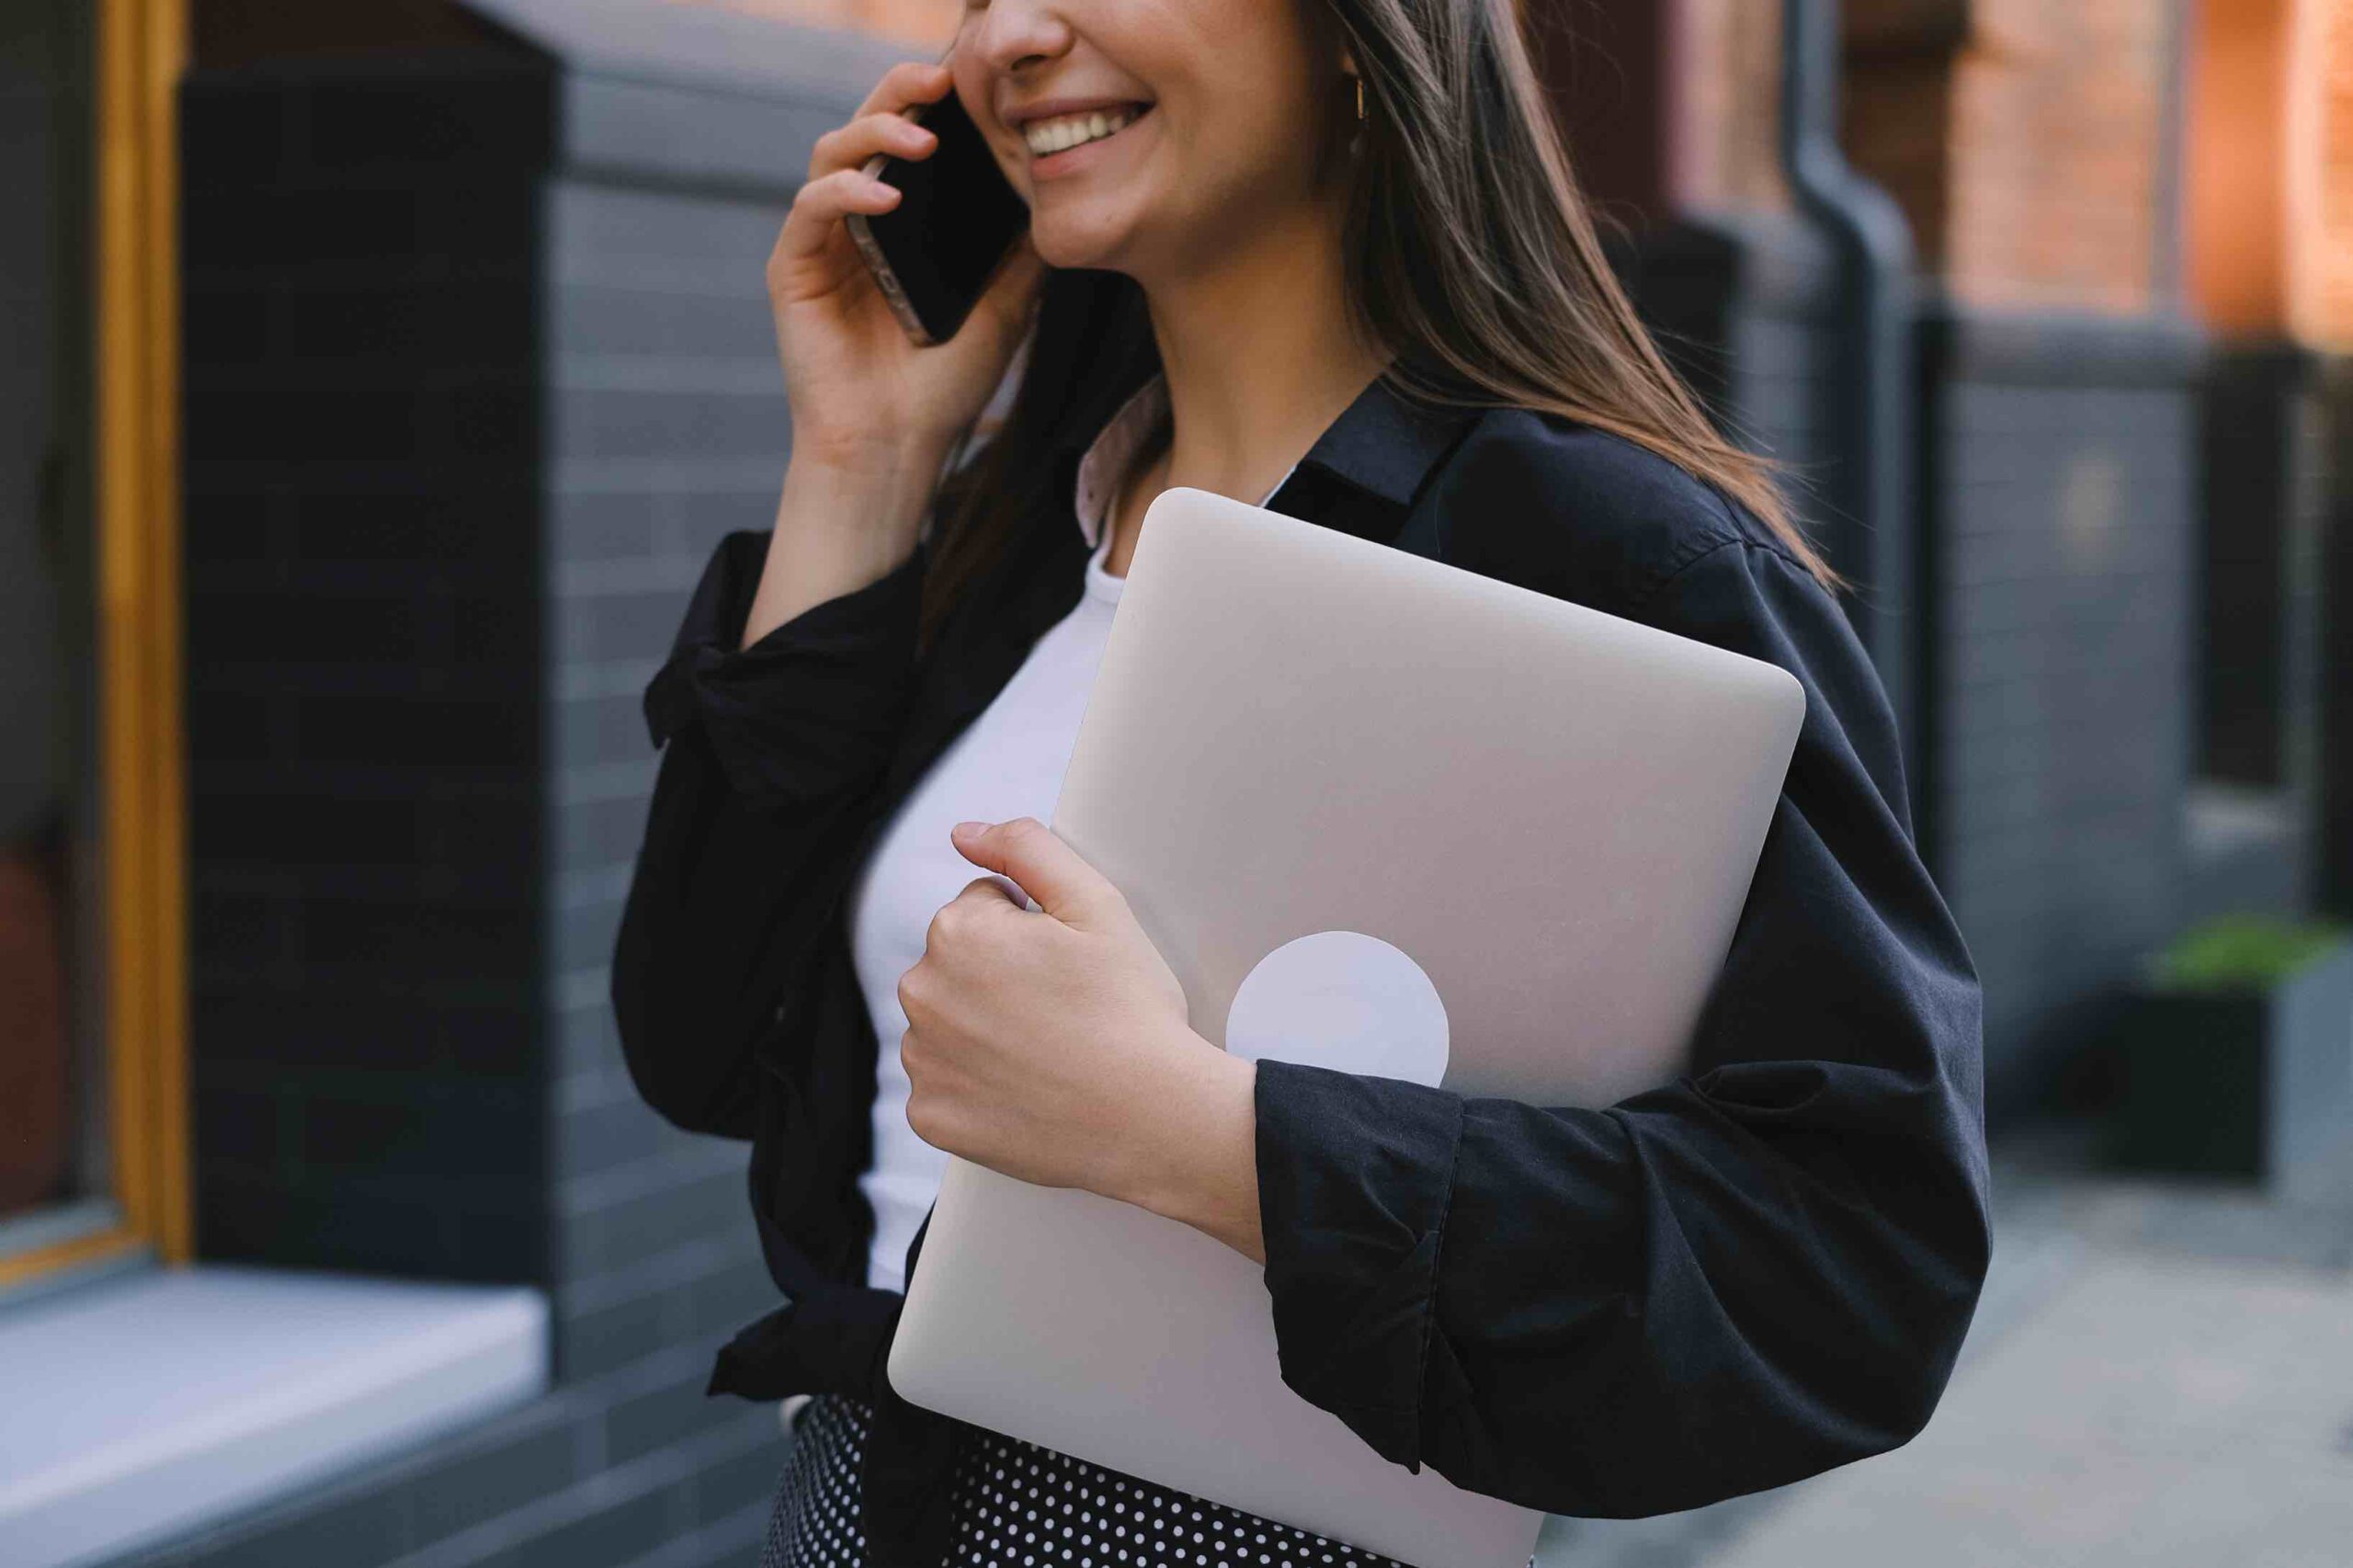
<point x="1359" y="100"/>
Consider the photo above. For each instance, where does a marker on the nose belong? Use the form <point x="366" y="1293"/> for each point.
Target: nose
<point x="1018" y="36"/>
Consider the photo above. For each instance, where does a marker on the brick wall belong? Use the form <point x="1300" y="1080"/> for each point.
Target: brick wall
<point x="2261" y="500"/>
<point x="2269" y="169"/>
<point x="666" y="427"/>
<point x="2030" y="152"/>
<point x="2060" y="129"/>
<point x="926" y="22"/>
<point x="362" y="525"/>
<point x="2323" y="252"/>
<point x="479" y="366"/>
<point x="2332" y="724"/>
<point x="2032" y="148"/>
<point x="2236" y="166"/>
<point x="1741" y="304"/>
<point x="1732" y="109"/>
<point x="2059" y="459"/>
<point x="1896" y="105"/>
<point x="1670" y="106"/>
<point x="44" y="311"/>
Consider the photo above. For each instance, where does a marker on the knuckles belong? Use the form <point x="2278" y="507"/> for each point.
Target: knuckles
<point x="967" y="917"/>
<point x="1023" y="830"/>
<point x="952" y="923"/>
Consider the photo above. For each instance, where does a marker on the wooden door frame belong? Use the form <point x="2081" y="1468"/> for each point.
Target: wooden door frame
<point x="141" y="53"/>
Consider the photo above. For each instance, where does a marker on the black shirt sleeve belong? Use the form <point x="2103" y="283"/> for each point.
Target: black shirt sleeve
<point x="770" y="750"/>
<point x="1754" y="1273"/>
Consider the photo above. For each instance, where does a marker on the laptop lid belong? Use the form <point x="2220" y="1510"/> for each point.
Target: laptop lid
<point x="1386" y="815"/>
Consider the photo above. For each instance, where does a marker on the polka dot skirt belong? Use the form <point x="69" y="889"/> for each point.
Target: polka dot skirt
<point x="1019" y="1505"/>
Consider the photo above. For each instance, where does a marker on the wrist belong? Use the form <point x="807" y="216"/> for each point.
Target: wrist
<point x="874" y="504"/>
<point x="869" y="459"/>
<point x="1193" y="1153"/>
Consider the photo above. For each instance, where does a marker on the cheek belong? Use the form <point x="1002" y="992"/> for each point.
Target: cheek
<point x="1246" y="69"/>
<point x="1235" y="161"/>
<point x="973" y="86"/>
<point x="1268" y="143"/>
<point x="1227" y="75"/>
<point x="1247" y="140"/>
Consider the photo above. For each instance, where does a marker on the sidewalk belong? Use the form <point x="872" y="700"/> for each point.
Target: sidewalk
<point x="2158" y="1375"/>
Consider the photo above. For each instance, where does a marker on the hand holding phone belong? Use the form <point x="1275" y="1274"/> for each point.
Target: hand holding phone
<point x="863" y="388"/>
<point x="933" y="254"/>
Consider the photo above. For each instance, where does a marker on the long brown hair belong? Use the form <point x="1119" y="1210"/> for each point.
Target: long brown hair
<point x="1473" y="258"/>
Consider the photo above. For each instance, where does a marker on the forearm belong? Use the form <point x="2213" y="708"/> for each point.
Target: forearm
<point x="1755" y="1284"/>
<point x="767" y="754"/>
<point x="841" y="524"/>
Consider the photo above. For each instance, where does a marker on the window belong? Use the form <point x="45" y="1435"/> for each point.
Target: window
<point x="92" y="1142"/>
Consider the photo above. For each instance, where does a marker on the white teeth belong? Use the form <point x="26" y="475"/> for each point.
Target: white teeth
<point x="1046" y="136"/>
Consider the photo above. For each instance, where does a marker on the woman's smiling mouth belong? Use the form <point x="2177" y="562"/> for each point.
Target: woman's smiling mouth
<point x="1050" y="140"/>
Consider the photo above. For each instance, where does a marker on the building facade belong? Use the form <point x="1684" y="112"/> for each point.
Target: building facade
<point x="390" y="369"/>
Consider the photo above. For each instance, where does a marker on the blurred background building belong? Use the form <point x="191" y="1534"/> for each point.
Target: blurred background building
<point x="380" y="375"/>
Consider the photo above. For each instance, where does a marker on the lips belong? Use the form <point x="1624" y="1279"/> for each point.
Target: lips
<point x="1066" y="125"/>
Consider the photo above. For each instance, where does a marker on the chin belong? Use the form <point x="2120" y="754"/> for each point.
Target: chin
<point x="1069" y="241"/>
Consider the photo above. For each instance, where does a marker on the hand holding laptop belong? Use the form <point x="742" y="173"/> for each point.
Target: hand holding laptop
<point x="1050" y="1043"/>
<point x="1376" y="814"/>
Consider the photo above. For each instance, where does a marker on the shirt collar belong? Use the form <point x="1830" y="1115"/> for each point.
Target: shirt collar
<point x="1112" y="453"/>
<point x="1383" y="444"/>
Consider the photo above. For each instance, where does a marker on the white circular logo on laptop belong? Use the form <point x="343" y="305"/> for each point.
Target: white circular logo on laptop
<point x="1342" y="1000"/>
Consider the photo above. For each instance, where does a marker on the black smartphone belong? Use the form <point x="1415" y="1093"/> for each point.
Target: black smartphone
<point x="934" y="252"/>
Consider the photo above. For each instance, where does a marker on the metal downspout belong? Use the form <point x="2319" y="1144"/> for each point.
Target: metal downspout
<point x="1873" y="469"/>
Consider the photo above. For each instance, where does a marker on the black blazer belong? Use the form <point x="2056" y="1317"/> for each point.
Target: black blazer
<point x="1757" y="1272"/>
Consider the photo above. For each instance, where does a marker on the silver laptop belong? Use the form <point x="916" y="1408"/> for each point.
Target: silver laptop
<point x="1385" y="816"/>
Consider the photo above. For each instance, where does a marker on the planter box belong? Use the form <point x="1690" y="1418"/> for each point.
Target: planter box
<point x="2256" y="1085"/>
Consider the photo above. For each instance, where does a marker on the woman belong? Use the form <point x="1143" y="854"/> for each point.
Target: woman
<point x="1325" y="255"/>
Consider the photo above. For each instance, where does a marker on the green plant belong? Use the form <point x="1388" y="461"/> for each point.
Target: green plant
<point x="2231" y="952"/>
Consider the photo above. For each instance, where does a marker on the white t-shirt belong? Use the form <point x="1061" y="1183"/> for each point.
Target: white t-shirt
<point x="1007" y="763"/>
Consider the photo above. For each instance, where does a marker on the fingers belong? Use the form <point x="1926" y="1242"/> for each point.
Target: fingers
<point x="837" y="184"/>
<point x="992" y="890"/>
<point x="850" y="146"/>
<point x="908" y="82"/>
<point x="981" y="899"/>
<point x="1041" y="865"/>
<point x="821" y="203"/>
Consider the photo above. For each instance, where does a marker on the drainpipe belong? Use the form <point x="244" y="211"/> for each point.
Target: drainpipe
<point x="1869" y="478"/>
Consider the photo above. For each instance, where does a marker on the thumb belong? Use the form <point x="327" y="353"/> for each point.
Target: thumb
<point x="1056" y="876"/>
